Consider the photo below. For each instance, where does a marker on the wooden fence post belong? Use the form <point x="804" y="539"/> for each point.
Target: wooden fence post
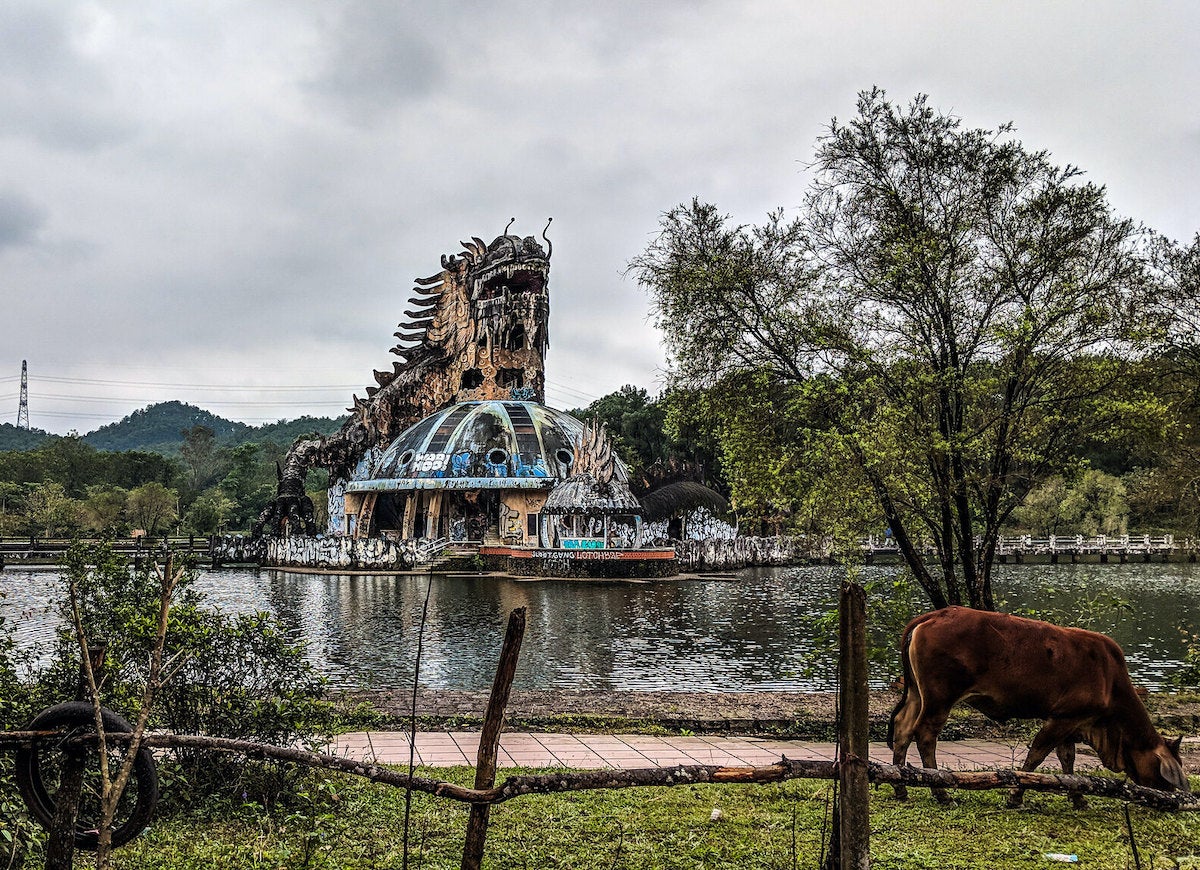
<point x="60" y="844"/>
<point x="854" y="829"/>
<point x="489" y="740"/>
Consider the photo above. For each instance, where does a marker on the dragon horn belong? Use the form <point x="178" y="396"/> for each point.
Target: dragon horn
<point x="507" y="225"/>
<point x="549" y="244"/>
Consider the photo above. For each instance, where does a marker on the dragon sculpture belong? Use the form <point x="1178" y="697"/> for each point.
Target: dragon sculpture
<point x="477" y="330"/>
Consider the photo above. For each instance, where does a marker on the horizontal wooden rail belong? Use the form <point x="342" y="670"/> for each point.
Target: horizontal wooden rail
<point x="589" y="780"/>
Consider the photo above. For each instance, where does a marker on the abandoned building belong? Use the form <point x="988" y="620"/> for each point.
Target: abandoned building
<point x="492" y="472"/>
<point x="455" y="448"/>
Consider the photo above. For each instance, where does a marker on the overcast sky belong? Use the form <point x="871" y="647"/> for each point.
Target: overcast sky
<point x="225" y="202"/>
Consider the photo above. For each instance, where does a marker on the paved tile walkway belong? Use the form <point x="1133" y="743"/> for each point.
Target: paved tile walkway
<point x="628" y="751"/>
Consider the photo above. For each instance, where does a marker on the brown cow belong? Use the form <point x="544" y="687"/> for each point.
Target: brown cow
<point x="1012" y="668"/>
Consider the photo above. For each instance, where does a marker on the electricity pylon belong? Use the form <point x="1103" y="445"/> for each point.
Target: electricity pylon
<point x="23" y="408"/>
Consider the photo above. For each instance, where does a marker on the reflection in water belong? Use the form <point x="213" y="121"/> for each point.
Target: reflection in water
<point x="751" y="631"/>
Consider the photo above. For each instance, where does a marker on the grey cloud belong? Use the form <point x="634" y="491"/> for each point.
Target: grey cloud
<point x="49" y="92"/>
<point x="295" y="164"/>
<point x="378" y="57"/>
<point x="20" y="220"/>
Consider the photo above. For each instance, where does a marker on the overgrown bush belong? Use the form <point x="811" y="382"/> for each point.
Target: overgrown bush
<point x="1188" y="675"/>
<point x="18" y="833"/>
<point x="230" y="675"/>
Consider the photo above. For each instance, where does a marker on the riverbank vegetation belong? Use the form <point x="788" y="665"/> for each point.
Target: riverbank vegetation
<point x="232" y="675"/>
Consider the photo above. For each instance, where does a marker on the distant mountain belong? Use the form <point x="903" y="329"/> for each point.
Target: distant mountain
<point x="158" y="429"/>
<point x="12" y="438"/>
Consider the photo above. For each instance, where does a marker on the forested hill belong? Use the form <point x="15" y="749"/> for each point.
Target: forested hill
<point x="159" y="429"/>
<point x="12" y="438"/>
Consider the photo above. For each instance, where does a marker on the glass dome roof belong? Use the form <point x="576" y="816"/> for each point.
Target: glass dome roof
<point x="481" y="445"/>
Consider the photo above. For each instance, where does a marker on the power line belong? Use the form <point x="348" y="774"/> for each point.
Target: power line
<point x="83" y="415"/>
<point x="216" y="401"/>
<point x="267" y="388"/>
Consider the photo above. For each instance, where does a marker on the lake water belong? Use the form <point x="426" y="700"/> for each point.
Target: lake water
<point x="750" y="631"/>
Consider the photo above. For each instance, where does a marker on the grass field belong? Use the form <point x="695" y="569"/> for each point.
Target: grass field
<point x="339" y="823"/>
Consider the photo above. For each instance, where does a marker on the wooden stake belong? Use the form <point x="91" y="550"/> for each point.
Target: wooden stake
<point x="854" y="830"/>
<point x="60" y="844"/>
<point x="489" y="740"/>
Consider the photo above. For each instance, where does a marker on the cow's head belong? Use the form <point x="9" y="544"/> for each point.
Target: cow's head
<point x="1161" y="768"/>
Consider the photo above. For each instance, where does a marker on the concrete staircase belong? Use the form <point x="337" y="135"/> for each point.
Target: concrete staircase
<point x="452" y="555"/>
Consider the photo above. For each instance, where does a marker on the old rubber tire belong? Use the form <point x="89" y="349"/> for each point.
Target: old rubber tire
<point x="34" y="765"/>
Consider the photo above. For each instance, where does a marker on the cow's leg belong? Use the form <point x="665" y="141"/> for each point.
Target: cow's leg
<point x="929" y="726"/>
<point x="1052" y="734"/>
<point x="1066" y="757"/>
<point x="904" y="723"/>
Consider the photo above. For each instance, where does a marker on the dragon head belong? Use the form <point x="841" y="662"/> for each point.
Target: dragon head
<point x="507" y="283"/>
<point x="485" y="317"/>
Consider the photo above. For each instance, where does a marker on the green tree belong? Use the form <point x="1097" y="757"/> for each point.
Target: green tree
<point x="50" y="512"/>
<point x="72" y="462"/>
<point x="202" y="460"/>
<point x="104" y="508"/>
<point x="249" y="483"/>
<point x="634" y="422"/>
<point x="11" y="507"/>
<point x="209" y="512"/>
<point x="776" y="455"/>
<point x="1094" y="504"/>
<point x="153" y="508"/>
<point x="970" y="304"/>
<point x="1043" y="512"/>
<point x="1097" y="504"/>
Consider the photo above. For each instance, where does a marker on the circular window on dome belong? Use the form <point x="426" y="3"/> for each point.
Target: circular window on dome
<point x="496" y="456"/>
<point x="564" y="456"/>
<point x="406" y="457"/>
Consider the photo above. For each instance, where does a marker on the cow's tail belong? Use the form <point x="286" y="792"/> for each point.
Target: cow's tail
<point x="906" y="666"/>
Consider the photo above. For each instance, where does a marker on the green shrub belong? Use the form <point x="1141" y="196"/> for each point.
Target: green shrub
<point x="230" y="675"/>
<point x="1188" y="675"/>
<point x="18" y="833"/>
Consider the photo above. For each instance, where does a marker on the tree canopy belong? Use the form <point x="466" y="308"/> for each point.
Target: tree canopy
<point x="964" y="305"/>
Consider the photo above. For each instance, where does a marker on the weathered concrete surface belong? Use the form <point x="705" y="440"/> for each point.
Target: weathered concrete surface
<point x="237" y="550"/>
<point x="333" y="552"/>
<point x="328" y="552"/>
<point x="732" y="553"/>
